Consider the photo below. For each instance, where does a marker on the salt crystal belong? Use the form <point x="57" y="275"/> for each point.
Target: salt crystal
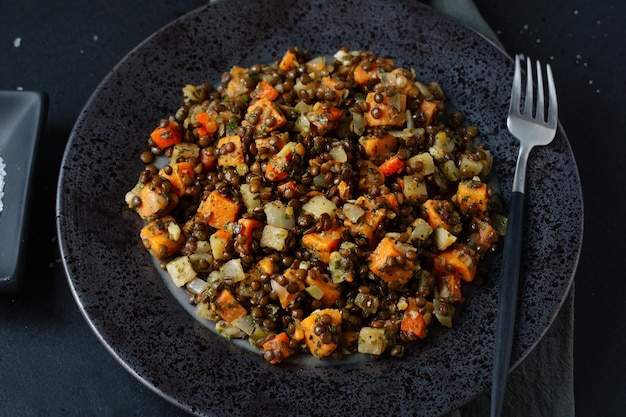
<point x="2" y="175"/>
<point x="17" y="42"/>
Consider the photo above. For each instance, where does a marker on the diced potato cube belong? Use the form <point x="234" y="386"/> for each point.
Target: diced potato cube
<point x="250" y="200"/>
<point x="414" y="190"/>
<point x="372" y="341"/>
<point x="219" y="241"/>
<point x="234" y="270"/>
<point x="318" y="205"/>
<point x="180" y="270"/>
<point x="274" y="237"/>
<point x="423" y="160"/>
<point x="421" y="229"/>
<point x="443" y="239"/>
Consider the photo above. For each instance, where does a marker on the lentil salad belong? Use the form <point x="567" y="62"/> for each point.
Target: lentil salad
<point x="328" y="205"/>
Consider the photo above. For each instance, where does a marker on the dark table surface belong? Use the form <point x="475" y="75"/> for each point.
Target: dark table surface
<point x="51" y="364"/>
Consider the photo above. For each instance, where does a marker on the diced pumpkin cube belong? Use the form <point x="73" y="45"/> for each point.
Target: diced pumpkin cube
<point x="322" y="244"/>
<point x="277" y="348"/>
<point x="181" y="175"/>
<point x="231" y="151"/>
<point x="331" y="320"/>
<point x="369" y="222"/>
<point x="472" y="197"/>
<point x="162" y="237"/>
<point x="218" y="210"/>
<point x="329" y="292"/>
<point x="386" y="270"/>
<point x="375" y="147"/>
<point x="458" y="260"/>
<point x="236" y="88"/>
<point x="389" y="112"/>
<point x="441" y="213"/>
<point x="155" y="199"/>
<point x="227" y="307"/>
<point x="265" y="116"/>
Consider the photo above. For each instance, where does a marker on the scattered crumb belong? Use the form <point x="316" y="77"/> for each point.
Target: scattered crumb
<point x="17" y="42"/>
<point x="2" y="176"/>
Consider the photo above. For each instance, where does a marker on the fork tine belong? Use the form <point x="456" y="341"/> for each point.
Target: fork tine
<point x="514" y="107"/>
<point x="528" y="100"/>
<point x="540" y="110"/>
<point x="553" y="108"/>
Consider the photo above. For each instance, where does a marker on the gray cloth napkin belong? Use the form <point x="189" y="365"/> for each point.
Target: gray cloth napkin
<point x="543" y="384"/>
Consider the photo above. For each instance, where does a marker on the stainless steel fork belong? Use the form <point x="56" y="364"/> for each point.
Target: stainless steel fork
<point x="533" y="125"/>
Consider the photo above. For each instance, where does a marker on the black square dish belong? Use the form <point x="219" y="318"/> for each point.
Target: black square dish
<point x="22" y="116"/>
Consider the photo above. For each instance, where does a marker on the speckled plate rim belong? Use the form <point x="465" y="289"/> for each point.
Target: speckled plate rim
<point x="123" y="299"/>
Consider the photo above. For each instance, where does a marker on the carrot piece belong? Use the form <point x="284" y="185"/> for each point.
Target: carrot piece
<point x="208" y="159"/>
<point x="375" y="147"/>
<point x="278" y="347"/>
<point x="373" y="217"/>
<point x="164" y="137"/>
<point x="155" y="200"/>
<point x="414" y="322"/>
<point x="429" y="109"/>
<point x="235" y="156"/>
<point x="379" y="265"/>
<point x="218" y="210"/>
<point x="389" y="112"/>
<point x="227" y="307"/>
<point x="449" y="287"/>
<point x="208" y="120"/>
<point x="313" y="341"/>
<point x="181" y="176"/>
<point x="329" y="291"/>
<point x="392" y="166"/>
<point x="264" y="90"/>
<point x="288" y="187"/>
<point x="441" y="213"/>
<point x="321" y="244"/>
<point x="289" y="61"/>
<point x="265" y="116"/>
<point x="458" y="260"/>
<point x="162" y="237"/>
<point x="472" y="197"/>
<point x="246" y="230"/>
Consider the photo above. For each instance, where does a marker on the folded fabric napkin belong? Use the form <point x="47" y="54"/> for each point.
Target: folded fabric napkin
<point x="543" y="384"/>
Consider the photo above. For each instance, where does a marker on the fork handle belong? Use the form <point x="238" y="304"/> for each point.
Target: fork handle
<point x="507" y="301"/>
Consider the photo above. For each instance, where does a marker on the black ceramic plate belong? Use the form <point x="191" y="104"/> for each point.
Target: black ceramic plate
<point x="124" y="299"/>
